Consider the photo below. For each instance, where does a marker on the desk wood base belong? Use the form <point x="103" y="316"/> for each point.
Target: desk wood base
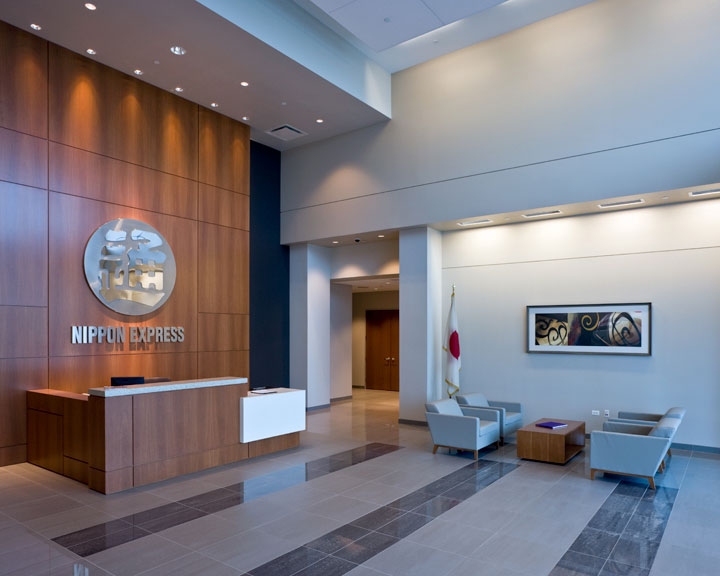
<point x="116" y="443"/>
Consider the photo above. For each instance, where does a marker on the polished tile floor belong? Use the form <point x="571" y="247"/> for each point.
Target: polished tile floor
<point x="365" y="496"/>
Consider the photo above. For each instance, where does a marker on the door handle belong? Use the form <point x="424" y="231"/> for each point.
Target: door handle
<point x="388" y="359"/>
<point x="393" y="359"/>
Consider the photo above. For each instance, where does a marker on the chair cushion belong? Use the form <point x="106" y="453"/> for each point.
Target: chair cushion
<point x="448" y="406"/>
<point x="666" y="428"/>
<point x="474" y="399"/>
<point x="675" y="412"/>
<point x="512" y="417"/>
<point x="488" y="427"/>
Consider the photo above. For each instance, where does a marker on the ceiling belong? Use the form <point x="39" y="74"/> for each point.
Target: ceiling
<point x="420" y="30"/>
<point x="291" y="83"/>
<point x="138" y="34"/>
<point x="388" y="283"/>
<point x="381" y="24"/>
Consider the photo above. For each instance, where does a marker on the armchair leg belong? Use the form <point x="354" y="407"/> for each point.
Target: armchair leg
<point x="502" y="441"/>
<point x="435" y="447"/>
<point x="669" y="454"/>
<point x="592" y="474"/>
<point x="476" y="454"/>
<point x="651" y="481"/>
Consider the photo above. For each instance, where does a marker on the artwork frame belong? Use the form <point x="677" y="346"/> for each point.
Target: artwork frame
<point x="599" y="329"/>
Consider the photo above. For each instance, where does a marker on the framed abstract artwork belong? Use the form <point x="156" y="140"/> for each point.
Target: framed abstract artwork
<point x="590" y="329"/>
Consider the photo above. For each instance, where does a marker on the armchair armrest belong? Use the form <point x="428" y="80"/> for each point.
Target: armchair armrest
<point x="457" y="431"/>
<point x="640" y="416"/>
<point x="627" y="453"/>
<point x="508" y="406"/>
<point x="627" y="427"/>
<point x="481" y="413"/>
<point x="629" y="421"/>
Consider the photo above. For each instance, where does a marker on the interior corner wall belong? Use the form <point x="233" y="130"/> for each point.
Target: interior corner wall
<point x="592" y="103"/>
<point x="341" y="341"/>
<point x="269" y="273"/>
<point x="361" y="303"/>
<point x="665" y="255"/>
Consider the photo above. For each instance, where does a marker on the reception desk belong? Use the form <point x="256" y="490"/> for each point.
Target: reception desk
<point x="116" y="438"/>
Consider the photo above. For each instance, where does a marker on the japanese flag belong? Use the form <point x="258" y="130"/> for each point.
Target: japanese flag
<point x="452" y="348"/>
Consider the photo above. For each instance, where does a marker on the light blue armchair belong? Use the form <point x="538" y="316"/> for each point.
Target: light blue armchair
<point x="631" y="449"/>
<point x="511" y="413"/>
<point x="649" y="419"/>
<point x="462" y="428"/>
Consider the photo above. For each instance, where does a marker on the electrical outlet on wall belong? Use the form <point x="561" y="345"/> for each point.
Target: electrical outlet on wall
<point x="607" y="413"/>
<point x="596" y="412"/>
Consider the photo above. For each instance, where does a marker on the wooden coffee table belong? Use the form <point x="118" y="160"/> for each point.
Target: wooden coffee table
<point x="546" y="445"/>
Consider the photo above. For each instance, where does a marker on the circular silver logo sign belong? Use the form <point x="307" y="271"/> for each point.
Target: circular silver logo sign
<point x="130" y="267"/>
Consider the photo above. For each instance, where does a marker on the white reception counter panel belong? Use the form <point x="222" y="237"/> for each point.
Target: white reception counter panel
<point x="274" y="412"/>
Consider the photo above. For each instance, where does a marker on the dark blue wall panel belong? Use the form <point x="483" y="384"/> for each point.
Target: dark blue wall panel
<point x="269" y="274"/>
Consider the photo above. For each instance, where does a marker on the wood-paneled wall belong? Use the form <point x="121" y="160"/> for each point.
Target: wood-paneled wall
<point x="81" y="144"/>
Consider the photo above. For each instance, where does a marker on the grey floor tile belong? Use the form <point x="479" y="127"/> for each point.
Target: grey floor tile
<point x="626" y="488"/>
<point x="91" y="533"/>
<point x="328" y="566"/>
<point x="595" y="543"/>
<point x="111" y="540"/>
<point x="620" y="503"/>
<point x="450" y="537"/>
<point x="138" y="556"/>
<point x="616" y="569"/>
<point x="405" y="525"/>
<point x="646" y="527"/>
<point x="437" y="506"/>
<point x="409" y="558"/>
<point x="248" y="549"/>
<point x="378" y="518"/>
<point x="634" y="551"/>
<point x="202" y="532"/>
<point x="337" y="539"/>
<point x="290" y="563"/>
<point x="576" y="564"/>
<point x="365" y="548"/>
<point x="412" y="500"/>
<point x="192" y="565"/>
<point x="609" y="521"/>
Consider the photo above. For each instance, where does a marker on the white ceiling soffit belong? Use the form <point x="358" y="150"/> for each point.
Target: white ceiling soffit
<point x="420" y="30"/>
<point x="133" y="34"/>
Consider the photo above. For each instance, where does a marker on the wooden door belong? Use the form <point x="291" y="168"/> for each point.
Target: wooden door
<point x="382" y="350"/>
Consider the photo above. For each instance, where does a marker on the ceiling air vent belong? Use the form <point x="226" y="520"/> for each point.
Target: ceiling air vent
<point x="286" y="132"/>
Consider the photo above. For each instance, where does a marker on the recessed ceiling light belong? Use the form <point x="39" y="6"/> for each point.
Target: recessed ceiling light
<point x="336" y="242"/>
<point x="138" y="72"/>
<point x="179" y="50"/>
<point x="474" y="222"/>
<point x="179" y="89"/>
<point x="246" y="118"/>
<point x="244" y="84"/>
<point x="539" y="214"/>
<point x="666" y="197"/>
<point x="90" y="6"/>
<point x="214" y="104"/>
<point x="621" y="203"/>
<point x="283" y="103"/>
<point x="156" y="61"/>
<point x="35" y="26"/>
<point x="319" y="120"/>
<point x="381" y="235"/>
<point x="507" y="217"/>
<point x="90" y="51"/>
<point x="703" y="193"/>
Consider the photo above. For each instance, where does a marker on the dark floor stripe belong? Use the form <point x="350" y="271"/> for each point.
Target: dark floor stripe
<point x="624" y="535"/>
<point x="116" y="532"/>
<point x="340" y="551"/>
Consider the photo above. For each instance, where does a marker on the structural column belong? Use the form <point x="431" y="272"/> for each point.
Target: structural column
<point x="420" y="321"/>
<point x="310" y="322"/>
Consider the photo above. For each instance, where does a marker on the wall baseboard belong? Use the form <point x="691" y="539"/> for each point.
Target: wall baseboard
<point x="412" y="422"/>
<point x="314" y="408"/>
<point x="696" y="448"/>
<point x="341" y="399"/>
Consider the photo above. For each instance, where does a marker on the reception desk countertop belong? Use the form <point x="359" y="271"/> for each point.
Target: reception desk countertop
<point x="111" y="391"/>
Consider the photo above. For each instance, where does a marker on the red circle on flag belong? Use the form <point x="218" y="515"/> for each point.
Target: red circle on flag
<point x="454" y="344"/>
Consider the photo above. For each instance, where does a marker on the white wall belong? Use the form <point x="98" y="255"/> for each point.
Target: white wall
<point x="361" y="303"/>
<point x="367" y="259"/>
<point x="610" y="99"/>
<point x="341" y="341"/>
<point x="665" y="255"/>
